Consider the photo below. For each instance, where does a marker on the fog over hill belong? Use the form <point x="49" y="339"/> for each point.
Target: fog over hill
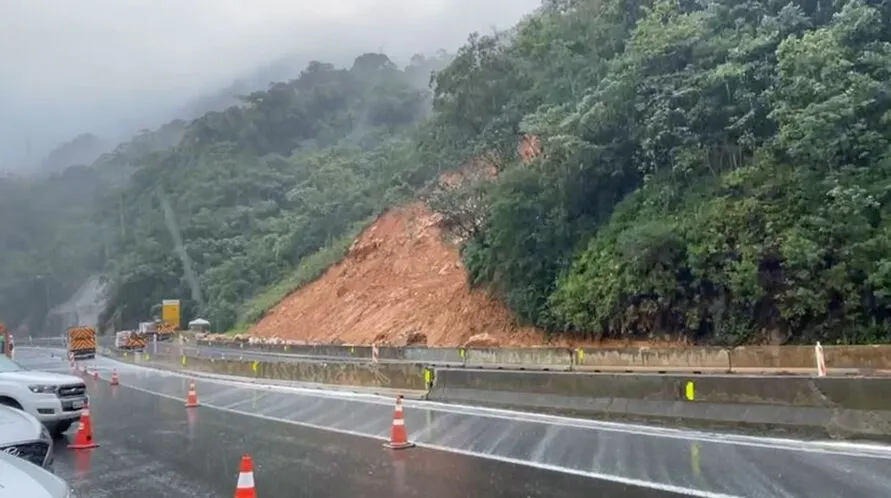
<point x="111" y="68"/>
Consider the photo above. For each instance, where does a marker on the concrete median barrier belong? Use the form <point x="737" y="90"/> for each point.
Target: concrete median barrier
<point x="433" y="355"/>
<point x="838" y="407"/>
<point x="863" y="360"/>
<point x="538" y="358"/>
<point x="705" y="359"/>
<point x="833" y="407"/>
<point x="394" y="376"/>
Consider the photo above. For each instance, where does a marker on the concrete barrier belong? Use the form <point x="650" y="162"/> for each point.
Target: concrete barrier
<point x="704" y="359"/>
<point x="539" y="358"/>
<point x="394" y="376"/>
<point x="745" y="359"/>
<point x="833" y="407"/>
<point x="877" y="357"/>
<point x="456" y="356"/>
<point x="836" y="407"/>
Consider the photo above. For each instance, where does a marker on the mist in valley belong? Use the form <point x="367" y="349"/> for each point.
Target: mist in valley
<point x="92" y="73"/>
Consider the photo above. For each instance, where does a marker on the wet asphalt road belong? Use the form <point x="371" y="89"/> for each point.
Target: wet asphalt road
<point x="152" y="446"/>
<point x="708" y="464"/>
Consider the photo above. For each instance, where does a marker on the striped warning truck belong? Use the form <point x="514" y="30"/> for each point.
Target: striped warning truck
<point x="82" y="342"/>
<point x="129" y="340"/>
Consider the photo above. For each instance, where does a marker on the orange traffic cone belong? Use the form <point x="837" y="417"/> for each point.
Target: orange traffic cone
<point x="192" y="396"/>
<point x="114" y="377"/>
<point x="398" y="433"/>
<point x="245" y="487"/>
<point x="84" y="438"/>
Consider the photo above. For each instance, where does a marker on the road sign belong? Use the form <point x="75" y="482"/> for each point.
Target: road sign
<point x="170" y="312"/>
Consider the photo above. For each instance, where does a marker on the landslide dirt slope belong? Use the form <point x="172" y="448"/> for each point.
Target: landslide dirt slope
<point x="400" y="279"/>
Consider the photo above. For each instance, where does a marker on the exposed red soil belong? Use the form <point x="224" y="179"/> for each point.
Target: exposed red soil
<point x="399" y="279"/>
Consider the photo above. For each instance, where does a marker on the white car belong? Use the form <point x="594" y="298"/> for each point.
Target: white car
<point x="23" y="436"/>
<point x="56" y="400"/>
<point x="19" y="478"/>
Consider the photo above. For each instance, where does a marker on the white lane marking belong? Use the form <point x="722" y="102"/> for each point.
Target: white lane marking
<point x="543" y="466"/>
<point x="774" y="443"/>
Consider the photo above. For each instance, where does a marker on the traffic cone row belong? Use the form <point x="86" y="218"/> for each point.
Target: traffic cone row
<point x="244" y="488"/>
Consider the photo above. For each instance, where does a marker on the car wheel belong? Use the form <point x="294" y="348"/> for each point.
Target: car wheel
<point x="59" y="429"/>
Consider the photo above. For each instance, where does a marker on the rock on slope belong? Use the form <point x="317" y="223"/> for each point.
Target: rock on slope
<point x="400" y="283"/>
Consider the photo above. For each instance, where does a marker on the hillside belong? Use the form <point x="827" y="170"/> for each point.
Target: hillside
<point x="709" y="173"/>
<point x="250" y="192"/>
<point x="81" y="150"/>
<point x="714" y="173"/>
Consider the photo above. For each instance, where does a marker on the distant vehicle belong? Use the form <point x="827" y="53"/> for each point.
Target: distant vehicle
<point x="129" y="340"/>
<point x="82" y="342"/>
<point x="20" y="478"/>
<point x="23" y="436"/>
<point x="56" y="400"/>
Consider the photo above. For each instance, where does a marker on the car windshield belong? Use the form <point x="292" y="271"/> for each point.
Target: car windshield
<point x="7" y="365"/>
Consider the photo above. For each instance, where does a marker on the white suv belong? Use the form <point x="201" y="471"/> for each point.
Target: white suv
<point x="56" y="400"/>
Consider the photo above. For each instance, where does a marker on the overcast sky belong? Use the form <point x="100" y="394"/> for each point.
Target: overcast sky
<point x="110" y="66"/>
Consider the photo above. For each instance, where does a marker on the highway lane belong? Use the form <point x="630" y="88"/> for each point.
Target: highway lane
<point x="697" y="463"/>
<point x="152" y="446"/>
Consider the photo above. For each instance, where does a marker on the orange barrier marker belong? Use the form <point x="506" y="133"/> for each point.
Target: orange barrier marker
<point x="192" y="396"/>
<point x="114" y="377"/>
<point x="398" y="433"/>
<point x="245" y="487"/>
<point x="84" y="438"/>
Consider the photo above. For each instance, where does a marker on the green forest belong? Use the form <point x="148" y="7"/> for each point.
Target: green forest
<point x="710" y="171"/>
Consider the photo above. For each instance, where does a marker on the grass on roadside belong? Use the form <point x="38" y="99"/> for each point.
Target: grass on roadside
<point x="309" y="269"/>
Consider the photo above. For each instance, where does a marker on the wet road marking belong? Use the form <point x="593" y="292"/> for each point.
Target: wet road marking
<point x="784" y="444"/>
<point x="231" y="398"/>
<point x="544" y="466"/>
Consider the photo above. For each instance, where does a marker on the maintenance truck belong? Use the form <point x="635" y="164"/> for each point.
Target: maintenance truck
<point x="82" y="342"/>
<point x="129" y="340"/>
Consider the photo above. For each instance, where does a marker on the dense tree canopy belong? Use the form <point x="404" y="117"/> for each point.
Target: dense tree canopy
<point x="708" y="170"/>
<point x="711" y="170"/>
<point x="252" y="190"/>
